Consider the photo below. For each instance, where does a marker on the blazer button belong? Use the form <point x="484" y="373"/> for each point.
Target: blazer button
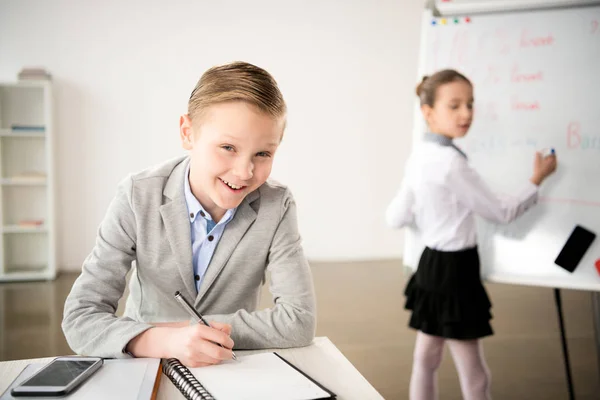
<point x="197" y="277"/>
<point x="211" y="238"/>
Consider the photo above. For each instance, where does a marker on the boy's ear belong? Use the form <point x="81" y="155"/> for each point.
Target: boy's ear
<point x="186" y="132"/>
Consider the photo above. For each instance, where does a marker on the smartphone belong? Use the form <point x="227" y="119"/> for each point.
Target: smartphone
<point x="59" y="377"/>
<point x="576" y="246"/>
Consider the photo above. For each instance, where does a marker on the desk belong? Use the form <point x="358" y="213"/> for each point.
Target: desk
<point x="321" y="360"/>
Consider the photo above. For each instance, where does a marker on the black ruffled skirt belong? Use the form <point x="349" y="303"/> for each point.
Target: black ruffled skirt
<point x="447" y="297"/>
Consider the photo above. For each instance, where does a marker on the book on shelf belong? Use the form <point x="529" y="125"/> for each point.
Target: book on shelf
<point x="34" y="73"/>
<point x="29" y="175"/>
<point x="28" y="128"/>
<point x="31" y="223"/>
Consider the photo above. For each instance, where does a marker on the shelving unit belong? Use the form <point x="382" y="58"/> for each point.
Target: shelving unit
<point x="27" y="248"/>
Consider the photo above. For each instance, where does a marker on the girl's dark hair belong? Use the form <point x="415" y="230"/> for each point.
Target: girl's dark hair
<point x="427" y="89"/>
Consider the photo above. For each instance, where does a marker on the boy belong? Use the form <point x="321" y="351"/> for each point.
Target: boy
<point x="208" y="225"/>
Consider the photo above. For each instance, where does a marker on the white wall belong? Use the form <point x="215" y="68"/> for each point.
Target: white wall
<point x="123" y="71"/>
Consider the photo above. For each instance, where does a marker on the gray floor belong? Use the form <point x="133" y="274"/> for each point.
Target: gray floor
<point x="360" y="310"/>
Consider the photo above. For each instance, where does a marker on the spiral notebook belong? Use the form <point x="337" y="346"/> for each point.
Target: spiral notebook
<point x="259" y="376"/>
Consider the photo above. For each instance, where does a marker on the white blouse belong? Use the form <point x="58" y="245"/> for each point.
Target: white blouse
<point x="441" y="194"/>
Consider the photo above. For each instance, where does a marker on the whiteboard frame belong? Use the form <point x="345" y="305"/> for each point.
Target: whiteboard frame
<point x="471" y="7"/>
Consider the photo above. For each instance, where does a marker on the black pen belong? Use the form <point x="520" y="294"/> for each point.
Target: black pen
<point x="195" y="314"/>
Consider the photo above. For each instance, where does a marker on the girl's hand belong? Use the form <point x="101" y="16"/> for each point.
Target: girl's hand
<point x="543" y="166"/>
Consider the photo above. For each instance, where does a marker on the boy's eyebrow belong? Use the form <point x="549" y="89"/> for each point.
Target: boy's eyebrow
<point x="459" y="99"/>
<point x="233" y="139"/>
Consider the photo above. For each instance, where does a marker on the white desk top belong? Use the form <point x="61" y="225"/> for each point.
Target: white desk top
<point x="321" y="360"/>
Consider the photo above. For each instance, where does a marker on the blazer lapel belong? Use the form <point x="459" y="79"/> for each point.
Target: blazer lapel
<point x="177" y="227"/>
<point x="233" y="233"/>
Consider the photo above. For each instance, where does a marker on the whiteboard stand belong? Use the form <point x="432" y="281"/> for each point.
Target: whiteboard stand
<point x="563" y="338"/>
<point x="596" y="312"/>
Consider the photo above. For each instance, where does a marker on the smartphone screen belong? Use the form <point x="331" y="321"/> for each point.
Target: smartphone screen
<point x="59" y="373"/>
<point x="575" y="248"/>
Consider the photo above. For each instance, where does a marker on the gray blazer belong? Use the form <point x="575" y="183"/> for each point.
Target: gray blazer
<point x="146" y="226"/>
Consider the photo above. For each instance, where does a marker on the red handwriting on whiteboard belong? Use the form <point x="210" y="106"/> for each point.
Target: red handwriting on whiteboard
<point x="577" y="140"/>
<point x="519" y="105"/>
<point x="517" y="76"/>
<point x="594" y="26"/>
<point x="573" y="135"/>
<point x="460" y="48"/>
<point x="529" y="40"/>
<point x="493" y="75"/>
<point x="492" y="111"/>
<point x="502" y="41"/>
<point x="435" y="46"/>
<point x="482" y="43"/>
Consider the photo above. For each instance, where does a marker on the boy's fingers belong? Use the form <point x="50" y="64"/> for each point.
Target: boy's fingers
<point x="215" y="352"/>
<point x="214" y="335"/>
<point x="222" y="327"/>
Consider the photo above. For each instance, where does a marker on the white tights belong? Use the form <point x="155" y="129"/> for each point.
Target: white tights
<point x="473" y="372"/>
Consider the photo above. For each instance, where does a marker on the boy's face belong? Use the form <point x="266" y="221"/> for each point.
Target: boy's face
<point x="231" y="149"/>
<point x="452" y="112"/>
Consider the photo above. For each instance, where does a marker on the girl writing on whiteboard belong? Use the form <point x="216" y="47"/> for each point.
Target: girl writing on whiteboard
<point x="440" y="196"/>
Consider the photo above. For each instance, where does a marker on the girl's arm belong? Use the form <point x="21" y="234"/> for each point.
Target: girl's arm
<point x="473" y="192"/>
<point x="400" y="211"/>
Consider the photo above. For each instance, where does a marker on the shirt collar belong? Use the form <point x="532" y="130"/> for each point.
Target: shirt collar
<point x="442" y="141"/>
<point x="436" y="138"/>
<point x="195" y="208"/>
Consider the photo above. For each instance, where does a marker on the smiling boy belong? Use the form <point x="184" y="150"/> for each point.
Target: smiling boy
<point x="209" y="225"/>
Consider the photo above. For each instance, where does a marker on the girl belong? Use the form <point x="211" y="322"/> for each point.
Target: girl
<point x="441" y="195"/>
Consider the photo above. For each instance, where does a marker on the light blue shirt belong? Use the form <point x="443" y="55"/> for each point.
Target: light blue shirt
<point x="204" y="231"/>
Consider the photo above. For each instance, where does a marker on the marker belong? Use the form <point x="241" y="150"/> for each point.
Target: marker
<point x="598" y="266"/>
<point x="552" y="152"/>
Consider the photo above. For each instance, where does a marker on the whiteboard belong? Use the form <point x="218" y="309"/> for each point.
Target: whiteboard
<point x="536" y="77"/>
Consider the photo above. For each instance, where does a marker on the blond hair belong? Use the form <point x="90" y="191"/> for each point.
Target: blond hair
<point x="426" y="90"/>
<point x="237" y="81"/>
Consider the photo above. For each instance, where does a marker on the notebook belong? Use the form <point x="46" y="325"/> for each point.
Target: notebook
<point x="135" y="379"/>
<point x="261" y="376"/>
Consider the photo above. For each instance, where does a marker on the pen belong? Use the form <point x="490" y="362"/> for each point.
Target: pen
<point x="195" y="314"/>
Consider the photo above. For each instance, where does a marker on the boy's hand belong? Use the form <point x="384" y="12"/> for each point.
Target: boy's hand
<point x="543" y="167"/>
<point x="195" y="345"/>
<point x="181" y="324"/>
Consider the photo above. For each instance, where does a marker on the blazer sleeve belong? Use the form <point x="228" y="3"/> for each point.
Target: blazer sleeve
<point x="292" y="320"/>
<point x="89" y="322"/>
